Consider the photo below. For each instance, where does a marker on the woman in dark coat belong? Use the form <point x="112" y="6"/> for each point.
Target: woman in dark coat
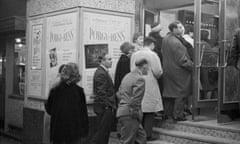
<point x="123" y="65"/>
<point x="67" y="106"/>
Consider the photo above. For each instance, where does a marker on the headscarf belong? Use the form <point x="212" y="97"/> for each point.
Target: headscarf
<point x="70" y="73"/>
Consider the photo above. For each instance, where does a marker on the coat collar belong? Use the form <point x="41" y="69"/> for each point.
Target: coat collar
<point x="104" y="68"/>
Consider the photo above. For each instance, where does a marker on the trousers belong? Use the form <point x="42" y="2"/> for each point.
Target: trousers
<point x="131" y="131"/>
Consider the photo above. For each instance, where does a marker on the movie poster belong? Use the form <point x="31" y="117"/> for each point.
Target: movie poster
<point x="60" y="45"/>
<point x="103" y="33"/>
<point x="36" y="45"/>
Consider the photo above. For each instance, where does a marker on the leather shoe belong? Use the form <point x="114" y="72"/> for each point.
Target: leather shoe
<point x="180" y="119"/>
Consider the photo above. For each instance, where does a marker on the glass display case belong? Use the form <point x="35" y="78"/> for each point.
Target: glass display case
<point x="20" y="54"/>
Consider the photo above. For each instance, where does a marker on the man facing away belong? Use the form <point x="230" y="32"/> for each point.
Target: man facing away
<point x="152" y="101"/>
<point x="177" y="77"/>
<point x="104" y="100"/>
<point x="129" y="111"/>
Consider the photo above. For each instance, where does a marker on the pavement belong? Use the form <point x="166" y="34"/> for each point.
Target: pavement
<point x="5" y="140"/>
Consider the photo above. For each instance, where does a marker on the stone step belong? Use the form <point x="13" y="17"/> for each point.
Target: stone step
<point x="180" y="137"/>
<point x="115" y="140"/>
<point x="159" y="142"/>
<point x="205" y="128"/>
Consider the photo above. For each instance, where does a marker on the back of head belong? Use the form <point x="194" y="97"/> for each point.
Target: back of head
<point x="136" y="36"/>
<point x="70" y="73"/>
<point x="204" y="35"/>
<point x="148" y="41"/>
<point x="141" y="62"/>
<point x="173" y="25"/>
<point x="126" y="47"/>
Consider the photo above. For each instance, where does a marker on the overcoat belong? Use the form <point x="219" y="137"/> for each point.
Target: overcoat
<point x="177" y="66"/>
<point x="152" y="100"/>
<point x="69" y="119"/>
<point x="123" y="67"/>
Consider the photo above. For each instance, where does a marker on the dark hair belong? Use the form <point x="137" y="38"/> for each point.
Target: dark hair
<point x="188" y="29"/>
<point x="101" y="57"/>
<point x="136" y="35"/>
<point x="61" y="68"/>
<point x="155" y="24"/>
<point x="126" y="47"/>
<point x="204" y="35"/>
<point x="173" y="25"/>
<point x="148" y="41"/>
<point x="141" y="62"/>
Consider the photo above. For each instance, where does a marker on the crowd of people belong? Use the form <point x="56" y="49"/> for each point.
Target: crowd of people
<point x="153" y="77"/>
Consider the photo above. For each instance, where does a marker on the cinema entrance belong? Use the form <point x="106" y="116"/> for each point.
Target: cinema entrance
<point x="211" y="24"/>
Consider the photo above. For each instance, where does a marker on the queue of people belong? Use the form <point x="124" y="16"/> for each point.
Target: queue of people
<point x="152" y="75"/>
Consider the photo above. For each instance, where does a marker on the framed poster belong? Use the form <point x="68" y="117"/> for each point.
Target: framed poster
<point x="92" y="52"/>
<point x="103" y="32"/>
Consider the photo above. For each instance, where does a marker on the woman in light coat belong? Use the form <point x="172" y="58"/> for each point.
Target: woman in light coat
<point x="152" y="100"/>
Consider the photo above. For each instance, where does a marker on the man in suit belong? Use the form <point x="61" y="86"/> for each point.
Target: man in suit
<point x="129" y="111"/>
<point x="177" y="77"/>
<point x="104" y="100"/>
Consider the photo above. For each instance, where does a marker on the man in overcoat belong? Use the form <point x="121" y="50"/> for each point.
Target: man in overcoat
<point x="177" y="77"/>
<point x="104" y="100"/>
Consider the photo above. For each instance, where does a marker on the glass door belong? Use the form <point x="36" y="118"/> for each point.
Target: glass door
<point x="206" y="57"/>
<point x="229" y="73"/>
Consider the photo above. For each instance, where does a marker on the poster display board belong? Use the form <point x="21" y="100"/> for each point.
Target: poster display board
<point x="36" y="45"/>
<point x="104" y="32"/>
<point x="35" y="70"/>
<point x="61" y="44"/>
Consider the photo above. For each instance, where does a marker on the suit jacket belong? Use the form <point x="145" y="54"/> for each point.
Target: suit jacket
<point x="177" y="65"/>
<point x="123" y="67"/>
<point x="103" y="89"/>
<point x="130" y="94"/>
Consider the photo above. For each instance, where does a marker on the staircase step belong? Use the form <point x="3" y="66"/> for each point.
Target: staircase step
<point x="206" y="128"/>
<point x="159" y="142"/>
<point x="180" y="137"/>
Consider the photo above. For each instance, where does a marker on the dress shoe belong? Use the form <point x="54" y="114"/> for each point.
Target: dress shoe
<point x="180" y="119"/>
<point x="151" y="139"/>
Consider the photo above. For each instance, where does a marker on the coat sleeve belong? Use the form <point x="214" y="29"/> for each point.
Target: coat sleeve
<point x="49" y="103"/>
<point x="132" y="61"/>
<point x="156" y="65"/>
<point x="84" y="112"/>
<point x="138" y="92"/>
<point x="181" y="57"/>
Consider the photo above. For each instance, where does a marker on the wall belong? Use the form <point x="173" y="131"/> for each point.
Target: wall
<point x="36" y="7"/>
<point x="10" y="8"/>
